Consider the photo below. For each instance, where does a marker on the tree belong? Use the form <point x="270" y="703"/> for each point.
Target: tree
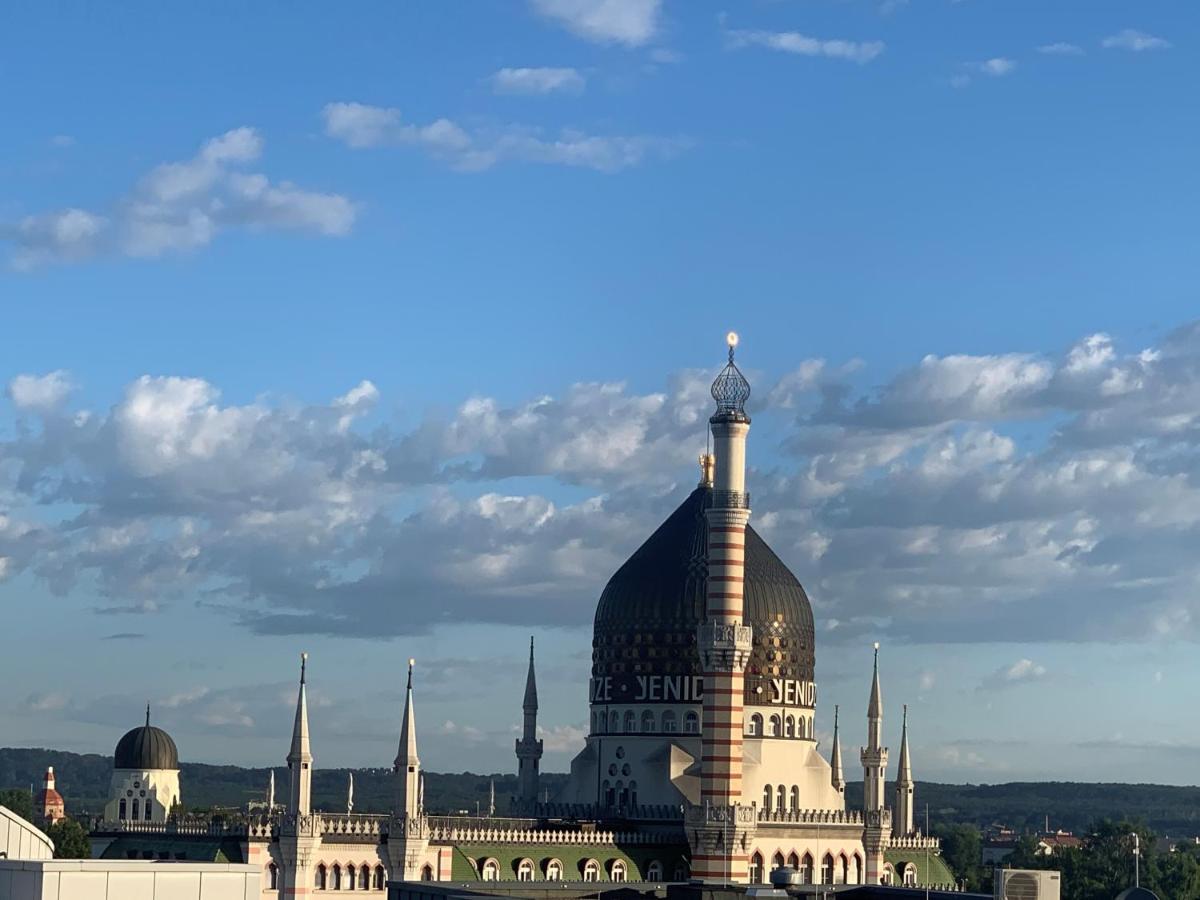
<point x="70" y="840"/>
<point x="962" y="849"/>
<point x="18" y="801"/>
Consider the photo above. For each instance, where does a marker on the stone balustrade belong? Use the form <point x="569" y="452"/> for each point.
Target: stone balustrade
<point x="914" y="842"/>
<point x="482" y="834"/>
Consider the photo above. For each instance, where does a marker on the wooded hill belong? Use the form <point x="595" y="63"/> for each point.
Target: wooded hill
<point x="83" y="780"/>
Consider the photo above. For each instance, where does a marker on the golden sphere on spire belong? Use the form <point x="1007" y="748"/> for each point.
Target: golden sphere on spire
<point x="732" y="339"/>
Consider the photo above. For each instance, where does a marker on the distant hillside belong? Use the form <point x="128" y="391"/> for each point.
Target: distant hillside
<point x="83" y="780"/>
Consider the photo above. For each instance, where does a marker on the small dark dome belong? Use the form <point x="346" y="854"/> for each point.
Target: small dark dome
<point x="647" y="617"/>
<point x="145" y="748"/>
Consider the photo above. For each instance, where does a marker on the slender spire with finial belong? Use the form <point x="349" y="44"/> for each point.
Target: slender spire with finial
<point x="835" y="757"/>
<point x="147" y="715"/>
<point x="300" y="756"/>
<point x="407" y="766"/>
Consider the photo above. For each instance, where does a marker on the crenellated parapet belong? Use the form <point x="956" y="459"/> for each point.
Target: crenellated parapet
<point x="812" y="816"/>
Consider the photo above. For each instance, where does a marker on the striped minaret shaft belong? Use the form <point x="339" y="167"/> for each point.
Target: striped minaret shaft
<point x="724" y="639"/>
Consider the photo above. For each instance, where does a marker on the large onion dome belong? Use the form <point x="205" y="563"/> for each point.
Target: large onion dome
<point x="145" y="748"/>
<point x="647" y="617"/>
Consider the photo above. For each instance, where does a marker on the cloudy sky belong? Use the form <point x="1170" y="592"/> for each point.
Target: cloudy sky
<point x="389" y="333"/>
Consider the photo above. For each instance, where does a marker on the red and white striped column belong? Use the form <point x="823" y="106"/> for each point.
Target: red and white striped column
<point x="720" y="853"/>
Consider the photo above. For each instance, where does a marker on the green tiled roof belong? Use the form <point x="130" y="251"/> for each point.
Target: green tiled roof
<point x="936" y="873"/>
<point x="636" y="859"/>
<point x="209" y="850"/>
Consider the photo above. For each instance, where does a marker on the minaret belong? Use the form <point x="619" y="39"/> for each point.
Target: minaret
<point x="874" y="759"/>
<point x="299" y="829"/>
<point x="407" y="765"/>
<point x="299" y="758"/>
<point x="350" y="794"/>
<point x="902" y="817"/>
<point x="408" y="836"/>
<point x="720" y="828"/>
<point x="835" y="759"/>
<point x="529" y="748"/>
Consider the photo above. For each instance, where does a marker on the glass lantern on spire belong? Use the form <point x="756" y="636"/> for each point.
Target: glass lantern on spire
<point x="731" y="390"/>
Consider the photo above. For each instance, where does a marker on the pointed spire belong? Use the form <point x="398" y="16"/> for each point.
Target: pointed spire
<point x="147" y="715"/>
<point x="904" y="775"/>
<point x="835" y="757"/>
<point x="406" y="753"/>
<point x="531" y="700"/>
<point x="299" y="758"/>
<point x="875" y="705"/>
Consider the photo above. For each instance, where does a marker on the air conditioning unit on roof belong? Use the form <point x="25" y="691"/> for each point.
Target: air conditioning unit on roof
<point x="1027" y="884"/>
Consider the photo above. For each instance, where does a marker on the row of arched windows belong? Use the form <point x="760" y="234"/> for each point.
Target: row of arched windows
<point x="781" y="798"/>
<point x="834" y="870"/>
<point x="340" y="878"/>
<point x="123" y="810"/>
<point x="620" y="794"/>
<point x="552" y="870"/>
<point x="649" y="722"/>
<point x="780" y="726"/>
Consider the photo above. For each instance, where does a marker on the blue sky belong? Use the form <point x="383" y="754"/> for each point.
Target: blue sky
<point x="387" y="332"/>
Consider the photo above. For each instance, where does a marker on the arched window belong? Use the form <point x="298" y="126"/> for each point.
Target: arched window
<point x="490" y="870"/>
<point x="335" y="883"/>
<point x="525" y="870"/>
<point x="789" y="726"/>
<point x="614" y="722"/>
<point x="273" y="877"/>
<point x="681" y="872"/>
<point x="380" y="878"/>
<point x="146" y="810"/>
<point x="768" y="794"/>
<point x="670" y="724"/>
<point x="622" y="797"/>
<point x="773" y="728"/>
<point x="136" y="810"/>
<point x="806" y="869"/>
<point x="756" y="868"/>
<point x="858" y="869"/>
<point x="647" y="721"/>
<point x="794" y="804"/>
<point x="793" y="861"/>
<point x="352" y="877"/>
<point x="364" y="877"/>
<point x="617" y="870"/>
<point x="777" y="861"/>
<point x="598" y="720"/>
<point x="654" y="871"/>
<point x="691" y="723"/>
<point x="122" y="812"/>
<point x="886" y="877"/>
<point x="426" y="873"/>
<point x="610" y="797"/>
<point x="554" y="870"/>
<point x="827" y="869"/>
<point x="843" y="874"/>
<point x="590" y="869"/>
<point x="630" y="722"/>
<point x="633" y="793"/>
<point x="322" y="880"/>
<point x="781" y="798"/>
<point x="755" y="724"/>
<point x="910" y="875"/>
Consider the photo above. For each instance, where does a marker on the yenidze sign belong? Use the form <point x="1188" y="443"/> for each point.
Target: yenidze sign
<point x="641" y="689"/>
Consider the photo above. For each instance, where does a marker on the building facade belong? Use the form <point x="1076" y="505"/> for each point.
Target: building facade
<point x="701" y="762"/>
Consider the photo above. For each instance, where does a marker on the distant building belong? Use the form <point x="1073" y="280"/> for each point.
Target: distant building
<point x="48" y="805"/>
<point x="145" y="781"/>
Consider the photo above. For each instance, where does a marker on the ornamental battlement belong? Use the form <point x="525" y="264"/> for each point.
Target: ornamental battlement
<point x="482" y="834"/>
<point x="812" y="816"/>
<point x="915" y="842"/>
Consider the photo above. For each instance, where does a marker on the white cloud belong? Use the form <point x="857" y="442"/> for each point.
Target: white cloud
<point x="1137" y="41"/>
<point x="181" y="206"/>
<point x="1060" y="48"/>
<point x="629" y="22"/>
<point x="1020" y="672"/>
<point x="361" y="126"/>
<point x="538" y="81"/>
<point x="996" y="66"/>
<point x="40" y="392"/>
<point x="794" y="42"/>
<point x="563" y="738"/>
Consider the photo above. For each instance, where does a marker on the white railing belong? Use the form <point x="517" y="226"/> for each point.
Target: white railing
<point x="914" y="842"/>
<point x="812" y="816"/>
<point x="481" y="834"/>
